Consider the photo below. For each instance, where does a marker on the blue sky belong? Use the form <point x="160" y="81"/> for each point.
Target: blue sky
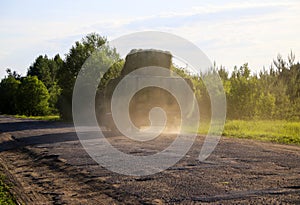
<point x="229" y="32"/>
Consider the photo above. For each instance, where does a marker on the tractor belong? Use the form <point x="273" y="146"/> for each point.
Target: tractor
<point x="146" y="98"/>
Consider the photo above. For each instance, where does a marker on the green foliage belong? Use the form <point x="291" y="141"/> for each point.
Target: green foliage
<point x="275" y="131"/>
<point x="13" y="74"/>
<point x="243" y="91"/>
<point x="279" y="131"/>
<point x="54" y="93"/>
<point x="113" y="72"/>
<point x="75" y="60"/>
<point x="265" y="106"/>
<point x="40" y="68"/>
<point x="44" y="117"/>
<point x="33" y="97"/>
<point x="271" y="94"/>
<point x="9" y="87"/>
<point x="46" y="70"/>
<point x="5" y="197"/>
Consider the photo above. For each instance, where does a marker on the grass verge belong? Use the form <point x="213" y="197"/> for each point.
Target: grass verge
<point x="47" y="117"/>
<point x="278" y="131"/>
<point x="5" y="196"/>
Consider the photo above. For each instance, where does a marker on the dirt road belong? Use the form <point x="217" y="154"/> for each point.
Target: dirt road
<point x="48" y="165"/>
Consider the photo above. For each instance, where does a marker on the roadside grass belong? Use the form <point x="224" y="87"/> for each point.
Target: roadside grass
<point x="279" y="131"/>
<point x="5" y="196"/>
<point x="46" y="117"/>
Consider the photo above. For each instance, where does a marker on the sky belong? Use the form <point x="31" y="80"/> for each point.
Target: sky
<point x="228" y="32"/>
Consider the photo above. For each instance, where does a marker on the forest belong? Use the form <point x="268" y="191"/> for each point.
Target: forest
<point x="270" y="94"/>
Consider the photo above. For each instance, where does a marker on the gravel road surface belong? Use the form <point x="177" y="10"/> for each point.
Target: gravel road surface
<point x="47" y="164"/>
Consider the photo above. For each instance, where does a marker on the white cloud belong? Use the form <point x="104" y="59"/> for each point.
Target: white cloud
<point x="255" y="38"/>
<point x="230" y="33"/>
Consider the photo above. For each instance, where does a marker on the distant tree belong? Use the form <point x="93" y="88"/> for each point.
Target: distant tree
<point x="74" y="61"/>
<point x="113" y="72"/>
<point x="265" y="106"/>
<point x="46" y="70"/>
<point x="54" y="94"/>
<point x="286" y="87"/>
<point x="292" y="80"/>
<point x="223" y="73"/>
<point x="272" y="94"/>
<point x="242" y="97"/>
<point x="40" y="68"/>
<point x="8" y="94"/>
<point x="55" y="65"/>
<point x="33" y="97"/>
<point x="13" y="74"/>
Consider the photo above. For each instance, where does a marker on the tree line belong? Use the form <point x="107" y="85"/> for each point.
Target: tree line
<point x="268" y="94"/>
<point x="47" y="88"/>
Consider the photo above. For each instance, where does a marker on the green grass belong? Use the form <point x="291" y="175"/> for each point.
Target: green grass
<point x="5" y="196"/>
<point x="47" y="117"/>
<point x="278" y="131"/>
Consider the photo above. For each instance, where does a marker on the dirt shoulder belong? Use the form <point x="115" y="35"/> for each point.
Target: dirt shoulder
<point x="48" y="165"/>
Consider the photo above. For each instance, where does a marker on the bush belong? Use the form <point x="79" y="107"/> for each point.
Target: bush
<point x="8" y="95"/>
<point x="33" y="97"/>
